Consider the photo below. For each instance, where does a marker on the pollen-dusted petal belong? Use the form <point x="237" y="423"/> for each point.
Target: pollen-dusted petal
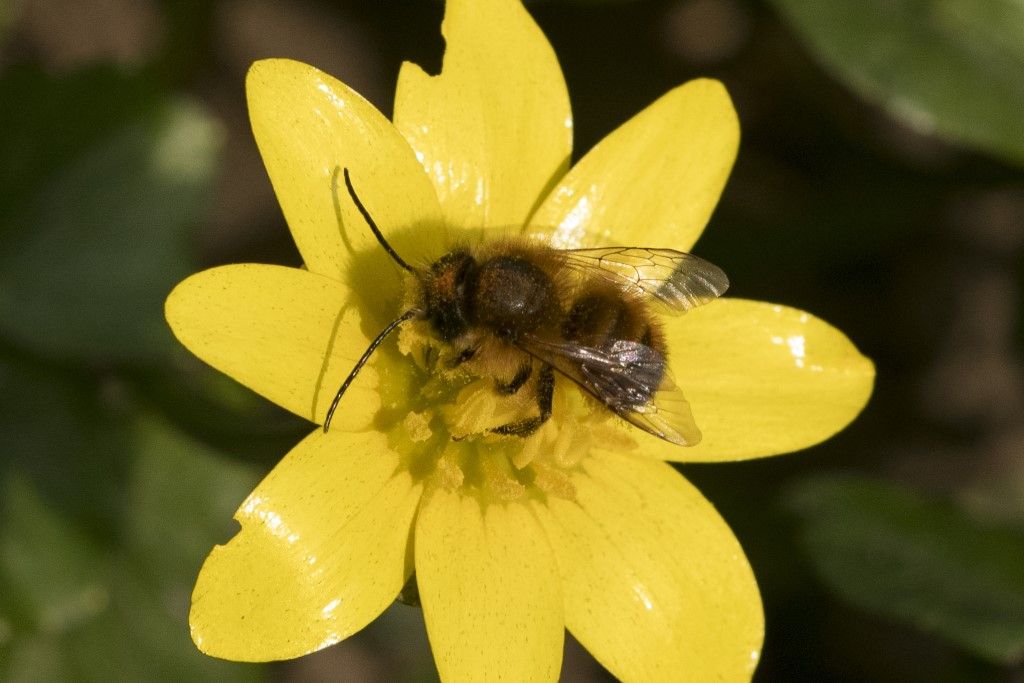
<point x="494" y="129"/>
<point x="487" y="580"/>
<point x="322" y="552"/>
<point x="656" y="586"/>
<point x="654" y="181"/>
<point x="288" y="334"/>
<point x="309" y="127"/>
<point x="761" y="379"/>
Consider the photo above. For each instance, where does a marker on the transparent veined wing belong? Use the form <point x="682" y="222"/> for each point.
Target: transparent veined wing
<point x="630" y="378"/>
<point x="678" y="280"/>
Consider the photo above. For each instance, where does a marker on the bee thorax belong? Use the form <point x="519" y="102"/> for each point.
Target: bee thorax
<point x="511" y="295"/>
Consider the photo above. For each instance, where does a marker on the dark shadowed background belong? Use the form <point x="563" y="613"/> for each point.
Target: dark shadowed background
<point x="879" y="186"/>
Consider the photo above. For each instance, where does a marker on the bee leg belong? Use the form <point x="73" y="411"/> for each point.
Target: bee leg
<point x="516" y="383"/>
<point x="545" y="392"/>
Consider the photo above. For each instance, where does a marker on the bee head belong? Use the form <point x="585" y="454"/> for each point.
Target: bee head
<point x="445" y="287"/>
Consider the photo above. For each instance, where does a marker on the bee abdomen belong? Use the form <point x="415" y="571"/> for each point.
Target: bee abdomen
<point x="598" y="319"/>
<point x="623" y="329"/>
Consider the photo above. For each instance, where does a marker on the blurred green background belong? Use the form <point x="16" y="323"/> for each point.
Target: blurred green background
<point x="879" y="185"/>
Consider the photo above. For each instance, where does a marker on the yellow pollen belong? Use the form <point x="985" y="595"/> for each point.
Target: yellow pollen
<point x="457" y="411"/>
<point x="417" y="425"/>
<point x="498" y="478"/>
<point x="450" y="476"/>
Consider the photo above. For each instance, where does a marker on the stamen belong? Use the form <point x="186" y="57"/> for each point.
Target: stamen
<point x="459" y="407"/>
<point x="417" y="426"/>
<point x="449" y="474"/>
<point x="553" y="481"/>
<point x="498" y="478"/>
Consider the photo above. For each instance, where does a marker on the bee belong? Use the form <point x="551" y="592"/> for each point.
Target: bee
<point x="525" y="313"/>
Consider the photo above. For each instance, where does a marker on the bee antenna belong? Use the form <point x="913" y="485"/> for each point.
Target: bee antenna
<point x="373" y="226"/>
<point x="365" y="357"/>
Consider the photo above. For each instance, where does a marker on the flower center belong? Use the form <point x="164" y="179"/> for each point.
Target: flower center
<point x="448" y="419"/>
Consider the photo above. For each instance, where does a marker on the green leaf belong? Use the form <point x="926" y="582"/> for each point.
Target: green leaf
<point x="944" y="66"/>
<point x="58" y="117"/>
<point x="140" y="637"/>
<point x="181" y="497"/>
<point x="220" y="411"/>
<point x="73" y="609"/>
<point x="49" y="431"/>
<point x="85" y="267"/>
<point x="36" y="659"/>
<point x="53" y="573"/>
<point x="888" y="550"/>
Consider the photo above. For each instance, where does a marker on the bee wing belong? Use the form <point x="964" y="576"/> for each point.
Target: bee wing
<point x="630" y="378"/>
<point x="679" y="280"/>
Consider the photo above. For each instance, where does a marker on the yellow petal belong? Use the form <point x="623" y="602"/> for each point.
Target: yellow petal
<point x="761" y="380"/>
<point x="322" y="552"/>
<point x="494" y="129"/>
<point x="656" y="586"/>
<point x="654" y="181"/>
<point x="309" y="126"/>
<point x="285" y="333"/>
<point x="486" y="579"/>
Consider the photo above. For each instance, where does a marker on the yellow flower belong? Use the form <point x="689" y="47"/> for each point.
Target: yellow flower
<point x="512" y="540"/>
